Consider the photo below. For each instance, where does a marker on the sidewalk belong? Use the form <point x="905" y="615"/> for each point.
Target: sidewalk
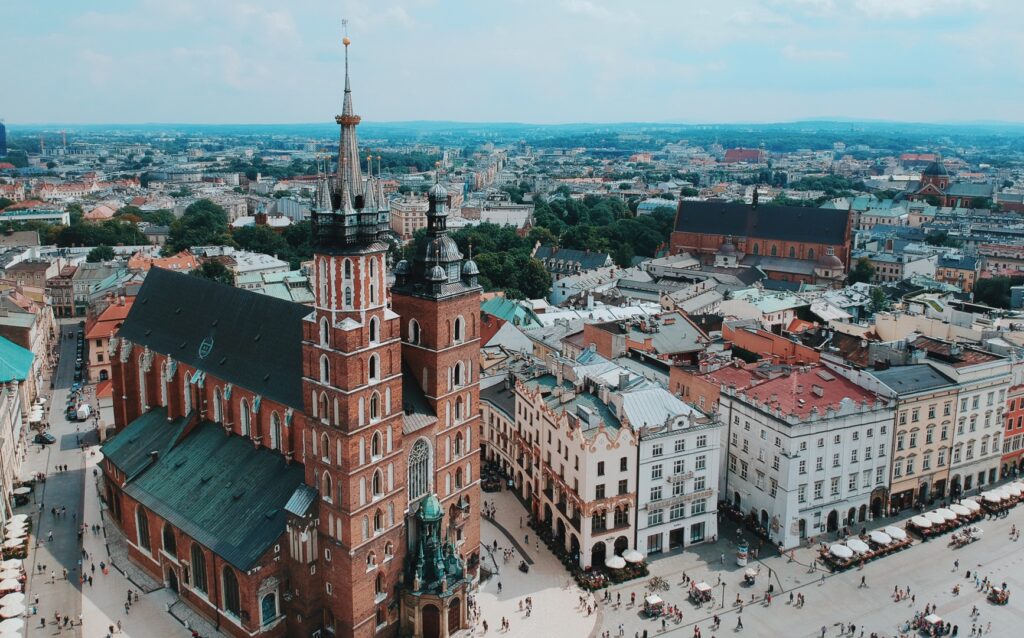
<point x="103" y="604"/>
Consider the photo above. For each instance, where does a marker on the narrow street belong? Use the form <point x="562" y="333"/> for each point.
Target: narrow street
<point x="95" y="608"/>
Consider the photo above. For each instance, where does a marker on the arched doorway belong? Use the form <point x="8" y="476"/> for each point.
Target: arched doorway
<point x="832" y="523"/>
<point x="527" y="489"/>
<point x="876" y="506"/>
<point x="454" y="616"/>
<point x="172" y="580"/>
<point x="764" y="519"/>
<point x="574" y="548"/>
<point x="597" y="554"/>
<point x="863" y="514"/>
<point x="922" y="493"/>
<point x="560" y="527"/>
<point x="851" y="516"/>
<point x="431" y="620"/>
<point x="547" y="515"/>
<point x="621" y="545"/>
<point x="736" y="500"/>
<point x="802" y="526"/>
<point x="954" y="486"/>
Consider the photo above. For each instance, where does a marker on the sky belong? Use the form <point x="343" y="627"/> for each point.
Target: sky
<point x="531" y="61"/>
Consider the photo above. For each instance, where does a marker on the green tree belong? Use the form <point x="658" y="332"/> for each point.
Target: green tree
<point x="862" y="271"/>
<point x="879" y="301"/>
<point x="4" y="202"/>
<point x="216" y="271"/>
<point x="100" y="253"/>
<point x="203" y="224"/>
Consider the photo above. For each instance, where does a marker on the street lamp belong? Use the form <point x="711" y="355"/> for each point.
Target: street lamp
<point x="723" y="595"/>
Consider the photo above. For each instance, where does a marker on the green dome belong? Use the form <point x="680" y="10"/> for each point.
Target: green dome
<point x="430" y="509"/>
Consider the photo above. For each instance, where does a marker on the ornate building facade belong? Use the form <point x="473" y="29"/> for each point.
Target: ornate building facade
<point x="274" y="465"/>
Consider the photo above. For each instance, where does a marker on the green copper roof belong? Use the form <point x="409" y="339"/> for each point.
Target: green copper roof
<point x="430" y="510"/>
<point x="216" y="488"/>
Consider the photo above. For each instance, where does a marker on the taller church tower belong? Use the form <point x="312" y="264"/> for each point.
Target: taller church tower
<point x="352" y="382"/>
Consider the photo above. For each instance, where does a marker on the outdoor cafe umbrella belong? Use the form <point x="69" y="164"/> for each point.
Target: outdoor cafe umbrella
<point x="9" y="573"/>
<point x="895" y="533"/>
<point x="935" y="518"/>
<point x="16" y="597"/>
<point x="880" y="537"/>
<point x="970" y="504"/>
<point x="840" y="551"/>
<point x="858" y="546"/>
<point x="946" y="513"/>
<point x="632" y="556"/>
<point x="959" y="509"/>
<point x="21" y="491"/>
<point x="11" y="563"/>
<point x="11" y="625"/>
<point x="20" y="518"/>
<point x="10" y="585"/>
<point x="14" y="542"/>
<point x="615" y="562"/>
<point x="921" y="522"/>
<point x="13" y="610"/>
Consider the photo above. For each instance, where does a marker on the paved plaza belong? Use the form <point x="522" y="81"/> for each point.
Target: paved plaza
<point x="925" y="568"/>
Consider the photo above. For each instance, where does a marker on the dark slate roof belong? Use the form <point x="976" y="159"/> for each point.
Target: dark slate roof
<point x="257" y="339"/>
<point x="585" y="258"/>
<point x="130" y="450"/>
<point x="792" y="223"/>
<point x="416" y="411"/>
<point x="965" y="262"/>
<point x="912" y="378"/>
<point x="501" y="398"/>
<point x="970" y="189"/>
<point x="218" y="489"/>
<point x="936" y="168"/>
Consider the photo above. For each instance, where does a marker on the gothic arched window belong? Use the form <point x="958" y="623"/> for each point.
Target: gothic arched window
<point x="374" y="366"/>
<point x="218" y="406"/>
<point x="419" y="469"/>
<point x="374" y="406"/>
<point x="232" y="600"/>
<point x="414" y="331"/>
<point x="374" y="330"/>
<point x="325" y="370"/>
<point x="163" y="384"/>
<point x="348" y="269"/>
<point x="325" y="332"/>
<point x="322" y="281"/>
<point x="244" y="417"/>
<point x="457" y="332"/>
<point x="142" y="383"/>
<point x="275" y="431"/>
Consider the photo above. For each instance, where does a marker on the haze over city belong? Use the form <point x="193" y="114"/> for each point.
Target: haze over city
<point x="535" y="61"/>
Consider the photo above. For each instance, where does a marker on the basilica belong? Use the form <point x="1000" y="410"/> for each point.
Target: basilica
<point x="295" y="470"/>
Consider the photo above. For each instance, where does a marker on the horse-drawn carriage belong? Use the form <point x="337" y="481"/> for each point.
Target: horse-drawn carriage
<point x="999" y="595"/>
<point x="965" y="536"/>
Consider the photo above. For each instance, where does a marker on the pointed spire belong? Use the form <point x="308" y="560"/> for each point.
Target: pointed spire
<point x="350" y="179"/>
<point x="346" y="108"/>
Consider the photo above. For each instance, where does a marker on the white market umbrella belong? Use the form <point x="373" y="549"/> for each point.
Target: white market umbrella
<point x="615" y="562"/>
<point x="750" y="572"/>
<point x="895" y="533"/>
<point x="970" y="504"/>
<point x="858" y="546"/>
<point x="9" y="599"/>
<point x="632" y="556"/>
<point x="959" y="509"/>
<point x="9" y="573"/>
<point x="13" y="610"/>
<point x="935" y="518"/>
<point x="10" y="585"/>
<point x="21" y="518"/>
<point x="991" y="497"/>
<point x="18" y="530"/>
<point x="921" y="521"/>
<point x="840" y="551"/>
<point x="12" y="563"/>
<point x="880" y="537"/>
<point x="21" y="491"/>
<point x="14" y="542"/>
<point x="12" y="625"/>
<point x="946" y="513"/>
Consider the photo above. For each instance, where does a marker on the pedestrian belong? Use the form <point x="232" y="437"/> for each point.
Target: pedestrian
<point x="119" y="626"/>
<point x="49" y="535"/>
<point x="956" y="564"/>
<point x="127" y="606"/>
<point x="739" y="622"/>
<point x="862" y="582"/>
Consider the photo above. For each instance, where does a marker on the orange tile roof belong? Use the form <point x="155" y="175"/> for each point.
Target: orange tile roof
<point x="107" y="322"/>
<point x="796" y="393"/>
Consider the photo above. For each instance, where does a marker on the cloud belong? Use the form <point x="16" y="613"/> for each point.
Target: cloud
<point x="913" y="8"/>
<point x="97" y="66"/>
<point x="798" y="54"/>
<point x="588" y="9"/>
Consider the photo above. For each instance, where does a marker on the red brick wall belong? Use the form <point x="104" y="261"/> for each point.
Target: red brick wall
<point x="1013" y="425"/>
<point x="770" y="346"/>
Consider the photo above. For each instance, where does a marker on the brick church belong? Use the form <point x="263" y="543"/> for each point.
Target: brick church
<point x="788" y="243"/>
<point x="291" y="470"/>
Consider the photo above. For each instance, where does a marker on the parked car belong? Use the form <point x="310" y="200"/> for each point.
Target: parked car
<point x="44" y="438"/>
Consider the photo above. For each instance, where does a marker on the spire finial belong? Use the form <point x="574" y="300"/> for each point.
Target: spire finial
<point x="348" y="88"/>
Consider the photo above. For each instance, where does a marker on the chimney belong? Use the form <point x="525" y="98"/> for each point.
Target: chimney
<point x="623" y="379"/>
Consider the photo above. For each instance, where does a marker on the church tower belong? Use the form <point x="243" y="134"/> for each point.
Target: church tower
<point x="438" y="298"/>
<point x="352" y="383"/>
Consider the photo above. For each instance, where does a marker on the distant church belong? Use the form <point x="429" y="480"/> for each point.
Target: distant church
<point x="290" y="471"/>
<point x="936" y="184"/>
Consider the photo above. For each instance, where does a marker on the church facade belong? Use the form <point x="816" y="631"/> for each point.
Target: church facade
<point x="298" y="471"/>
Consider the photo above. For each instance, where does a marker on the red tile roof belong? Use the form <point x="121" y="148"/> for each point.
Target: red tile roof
<point x="806" y="388"/>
